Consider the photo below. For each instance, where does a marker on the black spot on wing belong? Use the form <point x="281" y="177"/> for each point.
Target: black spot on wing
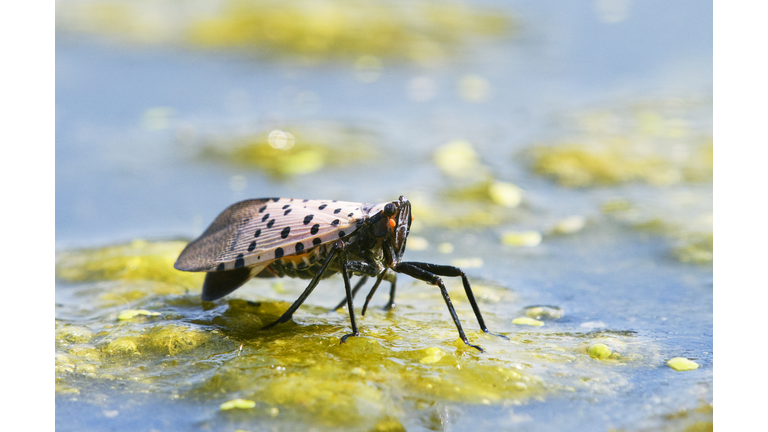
<point x="335" y="222"/>
<point x="240" y="262"/>
<point x="287" y="211"/>
<point x="252" y="246"/>
<point x="275" y="199"/>
<point x="315" y="229"/>
<point x="341" y="234"/>
<point x="323" y="206"/>
<point x="286" y="206"/>
<point x="257" y="233"/>
<point x="316" y="241"/>
<point x="261" y="210"/>
<point x="220" y="267"/>
<point x="299" y="247"/>
<point x="337" y="211"/>
<point x="350" y="215"/>
<point x="308" y="219"/>
<point x="284" y="233"/>
<point x="266" y="216"/>
<point x="270" y="223"/>
<point x="279" y="253"/>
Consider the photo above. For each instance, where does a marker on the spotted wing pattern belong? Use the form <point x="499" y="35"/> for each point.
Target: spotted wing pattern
<point x="258" y="231"/>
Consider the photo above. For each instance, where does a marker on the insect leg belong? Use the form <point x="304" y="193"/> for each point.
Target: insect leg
<point x="416" y="272"/>
<point x="373" y="290"/>
<point x="391" y="277"/>
<point x="307" y="291"/>
<point x="444" y="270"/>
<point x="350" y="306"/>
<point x="354" y="291"/>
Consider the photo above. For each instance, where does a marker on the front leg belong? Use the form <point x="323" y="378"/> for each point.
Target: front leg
<point x="418" y="273"/>
<point x="450" y="271"/>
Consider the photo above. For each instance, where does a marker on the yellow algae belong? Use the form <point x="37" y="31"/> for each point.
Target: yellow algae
<point x="616" y="205"/>
<point x="300" y="370"/>
<point x="521" y="238"/>
<point x="388" y="425"/>
<point x="701" y="426"/>
<point x="648" y="144"/>
<point x="132" y="313"/>
<point x="424" y="32"/>
<point x="73" y="334"/>
<point x="237" y="403"/>
<point x="85" y="352"/>
<point x="433" y="355"/>
<point x="699" y="249"/>
<point x="569" y="225"/>
<point x="174" y="340"/>
<point x="527" y="321"/>
<point x="544" y="312"/>
<point x="576" y="165"/>
<point x="600" y="351"/>
<point x="283" y="154"/>
<point x="326" y="394"/>
<point x="458" y="158"/>
<point x="138" y="260"/>
<point x="505" y="194"/>
<point x="682" y="364"/>
<point x="124" y="346"/>
<point x="456" y="214"/>
<point x="467" y="263"/>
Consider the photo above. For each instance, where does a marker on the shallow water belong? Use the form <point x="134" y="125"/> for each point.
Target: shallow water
<point x="134" y="123"/>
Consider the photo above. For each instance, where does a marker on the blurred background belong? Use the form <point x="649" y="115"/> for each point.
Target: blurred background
<point x="561" y="151"/>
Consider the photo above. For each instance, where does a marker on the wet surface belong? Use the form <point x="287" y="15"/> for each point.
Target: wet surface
<point x="565" y="163"/>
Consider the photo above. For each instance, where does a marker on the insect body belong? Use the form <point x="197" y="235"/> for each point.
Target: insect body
<point x="313" y="239"/>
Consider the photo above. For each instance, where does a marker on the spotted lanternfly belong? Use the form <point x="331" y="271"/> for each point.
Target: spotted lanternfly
<point x="314" y="239"/>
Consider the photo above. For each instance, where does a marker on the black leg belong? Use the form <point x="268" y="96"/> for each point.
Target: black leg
<point x="373" y="290"/>
<point x="443" y="270"/>
<point x="354" y="292"/>
<point x="392" y="278"/>
<point x="418" y="273"/>
<point x="350" y="305"/>
<point x="307" y="291"/>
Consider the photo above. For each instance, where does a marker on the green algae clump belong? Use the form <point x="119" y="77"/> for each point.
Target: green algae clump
<point x="645" y="142"/>
<point x="339" y="28"/>
<point x="527" y="321"/>
<point x="132" y="313"/>
<point x="237" y="403"/>
<point x="681" y="364"/>
<point x="521" y="238"/>
<point x="699" y="249"/>
<point x="137" y="260"/>
<point x="576" y="165"/>
<point x="599" y="351"/>
<point x="311" y="31"/>
<point x="281" y="154"/>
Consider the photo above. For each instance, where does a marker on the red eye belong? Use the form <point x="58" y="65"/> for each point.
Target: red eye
<point x="392" y="223"/>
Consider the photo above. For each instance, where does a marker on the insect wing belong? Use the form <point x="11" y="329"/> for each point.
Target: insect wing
<point x="259" y="231"/>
